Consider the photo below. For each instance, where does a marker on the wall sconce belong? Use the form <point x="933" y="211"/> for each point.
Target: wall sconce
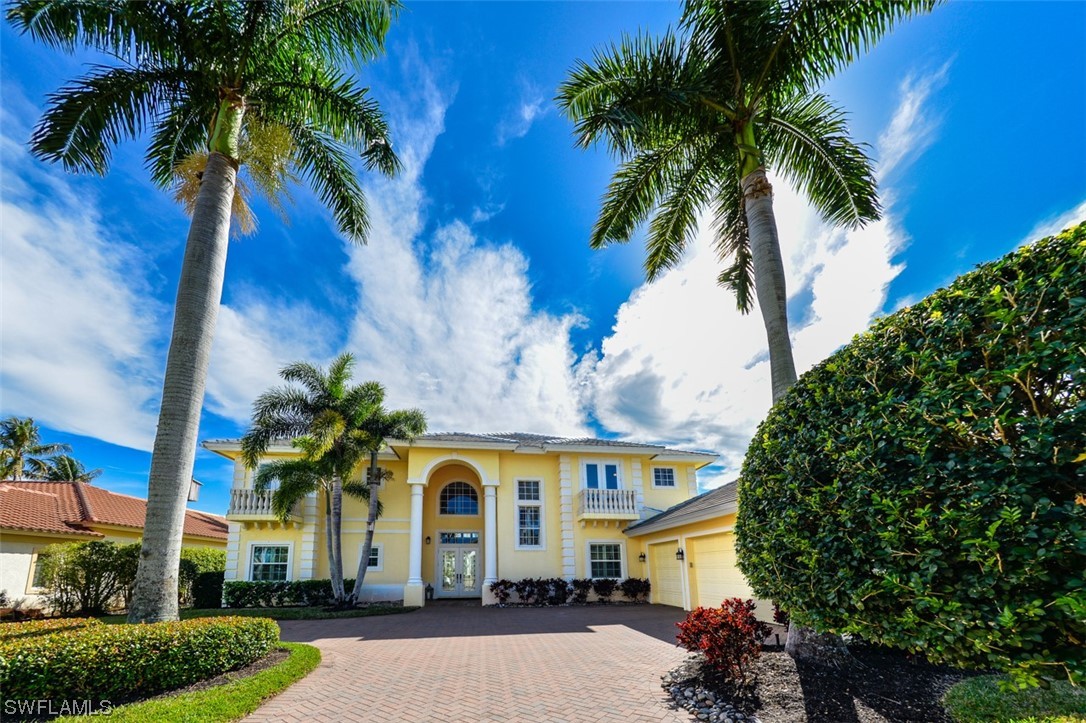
<point x="427" y="539"/>
<point x="680" y="555"/>
<point x="641" y="557"/>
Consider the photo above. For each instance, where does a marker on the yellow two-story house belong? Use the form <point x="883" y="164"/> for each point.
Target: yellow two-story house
<point x="461" y="511"/>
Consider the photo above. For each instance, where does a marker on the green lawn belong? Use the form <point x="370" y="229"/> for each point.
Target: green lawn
<point x="228" y="702"/>
<point x="979" y="699"/>
<point x="280" y="613"/>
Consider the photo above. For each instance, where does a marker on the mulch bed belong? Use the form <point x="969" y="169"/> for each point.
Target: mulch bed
<point x="881" y="686"/>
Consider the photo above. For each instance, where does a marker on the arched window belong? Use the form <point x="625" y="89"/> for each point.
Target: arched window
<point x="459" y="498"/>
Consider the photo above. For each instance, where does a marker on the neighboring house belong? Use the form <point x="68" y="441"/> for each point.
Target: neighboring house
<point x="464" y="510"/>
<point x="690" y="553"/>
<point x="34" y="515"/>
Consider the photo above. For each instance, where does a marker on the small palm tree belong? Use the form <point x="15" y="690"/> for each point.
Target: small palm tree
<point x="64" y="468"/>
<point x="323" y="417"/>
<point x="379" y="427"/>
<point x="22" y="455"/>
<point x="696" y="119"/>
<point x="211" y="81"/>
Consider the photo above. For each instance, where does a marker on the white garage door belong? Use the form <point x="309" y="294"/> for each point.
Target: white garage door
<point x="715" y="572"/>
<point x="666" y="574"/>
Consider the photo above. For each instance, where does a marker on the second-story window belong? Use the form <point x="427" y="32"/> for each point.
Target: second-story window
<point x="459" y="498"/>
<point x="663" y="476"/>
<point x="529" y="513"/>
<point x="601" y="475"/>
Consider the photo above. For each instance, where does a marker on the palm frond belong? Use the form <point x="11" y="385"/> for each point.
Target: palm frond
<point x="807" y="142"/>
<point x="337" y="28"/>
<point x="732" y="243"/>
<point x="328" y="171"/>
<point x="179" y="134"/>
<point x="85" y="119"/>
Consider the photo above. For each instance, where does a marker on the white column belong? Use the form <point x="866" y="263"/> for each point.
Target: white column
<point x="490" y="534"/>
<point x="565" y="479"/>
<point x="414" y="593"/>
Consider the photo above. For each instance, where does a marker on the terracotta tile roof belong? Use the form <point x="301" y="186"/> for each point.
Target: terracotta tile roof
<point x="72" y="506"/>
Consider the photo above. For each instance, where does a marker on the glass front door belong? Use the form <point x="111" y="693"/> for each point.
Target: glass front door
<point x="458" y="571"/>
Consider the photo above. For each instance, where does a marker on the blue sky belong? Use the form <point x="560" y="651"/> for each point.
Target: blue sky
<point x="477" y="298"/>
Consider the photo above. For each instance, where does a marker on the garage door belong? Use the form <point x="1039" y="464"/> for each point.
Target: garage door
<point x="666" y="574"/>
<point x="715" y="574"/>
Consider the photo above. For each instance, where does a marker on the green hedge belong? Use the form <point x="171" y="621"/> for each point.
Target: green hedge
<point x="207" y="590"/>
<point x="263" y="594"/>
<point x="48" y="626"/>
<point x="923" y="487"/>
<point x="114" y="662"/>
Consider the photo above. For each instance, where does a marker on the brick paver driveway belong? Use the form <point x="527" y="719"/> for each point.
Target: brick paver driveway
<point x="459" y="664"/>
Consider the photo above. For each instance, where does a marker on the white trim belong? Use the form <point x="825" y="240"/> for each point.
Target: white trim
<point x="602" y="477"/>
<point x="479" y="562"/>
<point x="449" y="516"/>
<point x="452" y="458"/>
<point x="540" y="504"/>
<point x="565" y="498"/>
<point x="674" y="477"/>
<point x="379" y="548"/>
<point x="269" y="543"/>
<point x="623" y="558"/>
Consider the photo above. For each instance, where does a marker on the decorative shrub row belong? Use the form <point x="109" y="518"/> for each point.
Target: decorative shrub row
<point x="558" y="591"/>
<point x="207" y="589"/>
<point x="263" y="594"/>
<point x="730" y="637"/>
<point x="48" y="626"/>
<point x="114" y="662"/>
<point x="923" y="487"/>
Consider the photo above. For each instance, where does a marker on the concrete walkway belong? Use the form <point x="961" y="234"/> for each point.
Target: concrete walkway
<point x="462" y="664"/>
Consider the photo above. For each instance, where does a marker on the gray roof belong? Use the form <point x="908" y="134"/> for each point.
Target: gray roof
<point x="525" y="439"/>
<point x="721" y="501"/>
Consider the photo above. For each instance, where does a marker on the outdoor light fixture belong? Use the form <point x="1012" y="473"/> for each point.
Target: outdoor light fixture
<point x="641" y="557"/>
<point x="427" y="539"/>
<point x="680" y="555"/>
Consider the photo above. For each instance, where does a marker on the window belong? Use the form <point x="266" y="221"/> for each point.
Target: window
<point x="605" y="559"/>
<point x="529" y="513"/>
<point x="663" y="476"/>
<point x="459" y="538"/>
<point x="37" y="572"/>
<point x="270" y="562"/>
<point x="601" y="475"/>
<point x="273" y="484"/>
<point x="382" y="475"/>
<point x="377" y="556"/>
<point x="459" y="498"/>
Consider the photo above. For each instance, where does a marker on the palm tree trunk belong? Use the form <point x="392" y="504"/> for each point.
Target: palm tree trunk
<point x="769" y="283"/>
<point x="199" y="293"/>
<point x="332" y="562"/>
<point x="337" y="539"/>
<point x="371" y="524"/>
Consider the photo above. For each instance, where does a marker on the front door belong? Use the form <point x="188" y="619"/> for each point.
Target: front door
<point x="458" y="565"/>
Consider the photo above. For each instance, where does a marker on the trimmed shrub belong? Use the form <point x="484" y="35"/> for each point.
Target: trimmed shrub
<point x="289" y="593"/>
<point x="87" y="577"/>
<point x="635" y="589"/>
<point x="554" y="591"/>
<point x="207" y="589"/>
<point x="114" y="662"/>
<point x="194" y="562"/>
<point x="48" y="626"/>
<point x="581" y="588"/>
<point x="923" y="487"/>
<point x="527" y="589"/>
<point x="730" y="637"/>
<point x="605" y="588"/>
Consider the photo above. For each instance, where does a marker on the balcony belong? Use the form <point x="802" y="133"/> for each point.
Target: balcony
<point x="248" y="505"/>
<point x="608" y="505"/>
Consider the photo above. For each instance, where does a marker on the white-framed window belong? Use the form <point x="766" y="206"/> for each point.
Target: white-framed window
<point x="458" y="498"/>
<point x="273" y="484"/>
<point x="529" y="510"/>
<point x="663" y="476"/>
<point x="377" y="556"/>
<point x="381" y="474"/>
<point x="601" y="475"/>
<point x="269" y="561"/>
<point x="36" y="582"/>
<point x="606" y="559"/>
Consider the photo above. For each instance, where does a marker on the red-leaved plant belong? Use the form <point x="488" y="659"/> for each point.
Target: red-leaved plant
<point x="730" y="637"/>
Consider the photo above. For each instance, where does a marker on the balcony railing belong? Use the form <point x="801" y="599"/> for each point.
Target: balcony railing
<point x="609" y="504"/>
<point x="248" y="503"/>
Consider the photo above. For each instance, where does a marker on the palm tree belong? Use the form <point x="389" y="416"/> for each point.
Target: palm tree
<point x="22" y="455"/>
<point x="323" y="418"/>
<point x="210" y="79"/>
<point x="63" y="468"/>
<point x="378" y="427"/>
<point x="696" y="119"/>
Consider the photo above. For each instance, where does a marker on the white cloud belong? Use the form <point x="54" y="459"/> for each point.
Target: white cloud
<point x="518" y="121"/>
<point x="1058" y="223"/>
<point x="683" y="366"/>
<point x="82" y="334"/>
<point x="445" y="321"/>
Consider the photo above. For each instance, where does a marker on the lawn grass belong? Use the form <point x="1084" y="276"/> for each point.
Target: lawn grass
<point x="279" y="613"/>
<point x="979" y="699"/>
<point x="228" y="702"/>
